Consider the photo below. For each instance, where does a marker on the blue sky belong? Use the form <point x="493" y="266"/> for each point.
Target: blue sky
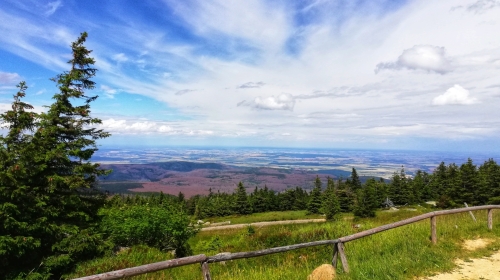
<point x="374" y="74"/>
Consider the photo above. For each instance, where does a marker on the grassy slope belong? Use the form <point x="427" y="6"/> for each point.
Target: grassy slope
<point x="395" y="254"/>
<point x="265" y="217"/>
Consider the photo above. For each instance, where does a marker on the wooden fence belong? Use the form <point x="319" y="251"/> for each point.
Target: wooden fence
<point x="338" y="248"/>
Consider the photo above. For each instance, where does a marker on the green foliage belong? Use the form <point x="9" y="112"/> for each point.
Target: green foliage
<point x="355" y="182"/>
<point x="48" y="194"/>
<point x="366" y="200"/>
<point x="165" y="227"/>
<point x="331" y="205"/>
<point x="242" y="206"/>
<point x="314" y="205"/>
<point x="402" y="253"/>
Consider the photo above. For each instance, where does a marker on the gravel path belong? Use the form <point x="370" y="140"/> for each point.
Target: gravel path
<point x="487" y="268"/>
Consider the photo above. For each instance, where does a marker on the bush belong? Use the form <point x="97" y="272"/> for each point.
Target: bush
<point x="165" y="227"/>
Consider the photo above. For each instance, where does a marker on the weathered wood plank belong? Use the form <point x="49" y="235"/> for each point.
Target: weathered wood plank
<point x="343" y="258"/>
<point x="253" y="254"/>
<point x="206" y="271"/>
<point x="118" y="274"/>
<point x="413" y="220"/>
<point x="490" y="219"/>
<point x="335" y="255"/>
<point x="433" y="230"/>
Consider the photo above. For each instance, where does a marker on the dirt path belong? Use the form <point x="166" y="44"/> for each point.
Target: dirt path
<point x="487" y="268"/>
<point x="263" y="224"/>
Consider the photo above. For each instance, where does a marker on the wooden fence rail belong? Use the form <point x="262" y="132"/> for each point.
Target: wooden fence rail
<point x="338" y="247"/>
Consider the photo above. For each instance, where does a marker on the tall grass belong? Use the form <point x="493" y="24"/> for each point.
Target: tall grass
<point x="265" y="217"/>
<point x="401" y="253"/>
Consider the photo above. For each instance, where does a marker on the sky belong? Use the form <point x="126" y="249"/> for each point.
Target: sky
<point x="373" y="74"/>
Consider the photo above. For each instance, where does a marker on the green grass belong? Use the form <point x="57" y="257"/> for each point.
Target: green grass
<point x="265" y="217"/>
<point x="401" y="253"/>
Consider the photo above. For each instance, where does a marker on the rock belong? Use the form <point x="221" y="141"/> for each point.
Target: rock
<point x="433" y="203"/>
<point x="323" y="272"/>
<point x="200" y="222"/>
<point x="394" y="209"/>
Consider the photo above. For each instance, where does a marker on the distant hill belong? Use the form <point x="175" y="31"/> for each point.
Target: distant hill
<point x="152" y="172"/>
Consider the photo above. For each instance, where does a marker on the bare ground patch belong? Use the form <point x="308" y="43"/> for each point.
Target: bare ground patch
<point x="487" y="268"/>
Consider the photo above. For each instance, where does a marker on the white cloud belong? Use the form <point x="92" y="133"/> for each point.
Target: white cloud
<point x="251" y="85"/>
<point x="52" y="7"/>
<point x="120" y="57"/>
<point x="423" y="57"/>
<point x="148" y="127"/>
<point x="283" y="101"/>
<point x="455" y="95"/>
<point x="108" y="91"/>
<point x="482" y="6"/>
<point x="183" y="91"/>
<point x="9" y="78"/>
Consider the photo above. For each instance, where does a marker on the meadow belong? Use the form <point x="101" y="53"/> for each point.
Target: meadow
<point x="400" y="253"/>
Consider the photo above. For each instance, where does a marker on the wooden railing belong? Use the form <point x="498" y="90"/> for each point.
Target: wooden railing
<point x="338" y="248"/>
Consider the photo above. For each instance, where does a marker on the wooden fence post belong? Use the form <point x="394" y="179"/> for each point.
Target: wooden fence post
<point x="490" y="219"/>
<point x="205" y="270"/>
<point x="343" y="258"/>
<point x="433" y="230"/>
<point x="335" y="255"/>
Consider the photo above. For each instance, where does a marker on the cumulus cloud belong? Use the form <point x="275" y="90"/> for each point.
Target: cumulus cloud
<point x="482" y="6"/>
<point x="420" y="57"/>
<point x="455" y="95"/>
<point x="251" y="85"/>
<point x="284" y="101"/>
<point x="120" y="57"/>
<point x="9" y="78"/>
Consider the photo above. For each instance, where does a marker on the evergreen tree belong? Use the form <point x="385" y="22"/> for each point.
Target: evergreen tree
<point x="355" y="182"/>
<point x="314" y="204"/>
<point x="48" y="186"/>
<point x="331" y="205"/>
<point x="345" y="196"/>
<point x="469" y="178"/>
<point x="366" y="200"/>
<point x="241" y="205"/>
<point x="488" y="191"/>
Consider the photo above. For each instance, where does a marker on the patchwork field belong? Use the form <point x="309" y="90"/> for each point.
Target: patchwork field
<point x="192" y="178"/>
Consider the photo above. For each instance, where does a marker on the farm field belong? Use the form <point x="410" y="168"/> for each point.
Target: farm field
<point x="401" y="253"/>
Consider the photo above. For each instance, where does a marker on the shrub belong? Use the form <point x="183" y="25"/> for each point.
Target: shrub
<point x="165" y="227"/>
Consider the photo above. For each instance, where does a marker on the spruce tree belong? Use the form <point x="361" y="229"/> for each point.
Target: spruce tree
<point x="241" y="205"/>
<point x="314" y="205"/>
<point x="355" y="182"/>
<point x="366" y="200"/>
<point x="48" y="189"/>
<point x="331" y="205"/>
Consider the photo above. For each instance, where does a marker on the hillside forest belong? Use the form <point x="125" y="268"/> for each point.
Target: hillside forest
<point x="53" y="215"/>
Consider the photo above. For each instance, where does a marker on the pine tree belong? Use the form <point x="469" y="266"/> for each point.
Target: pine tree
<point x="241" y="205"/>
<point x="314" y="204"/>
<point x="366" y="200"/>
<point x="48" y="184"/>
<point x="331" y="205"/>
<point x="469" y="183"/>
<point x="355" y="182"/>
<point x="488" y="191"/>
<point x="345" y="196"/>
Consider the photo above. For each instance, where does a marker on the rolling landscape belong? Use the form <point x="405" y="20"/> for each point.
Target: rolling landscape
<point x="197" y="170"/>
<point x="255" y="139"/>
